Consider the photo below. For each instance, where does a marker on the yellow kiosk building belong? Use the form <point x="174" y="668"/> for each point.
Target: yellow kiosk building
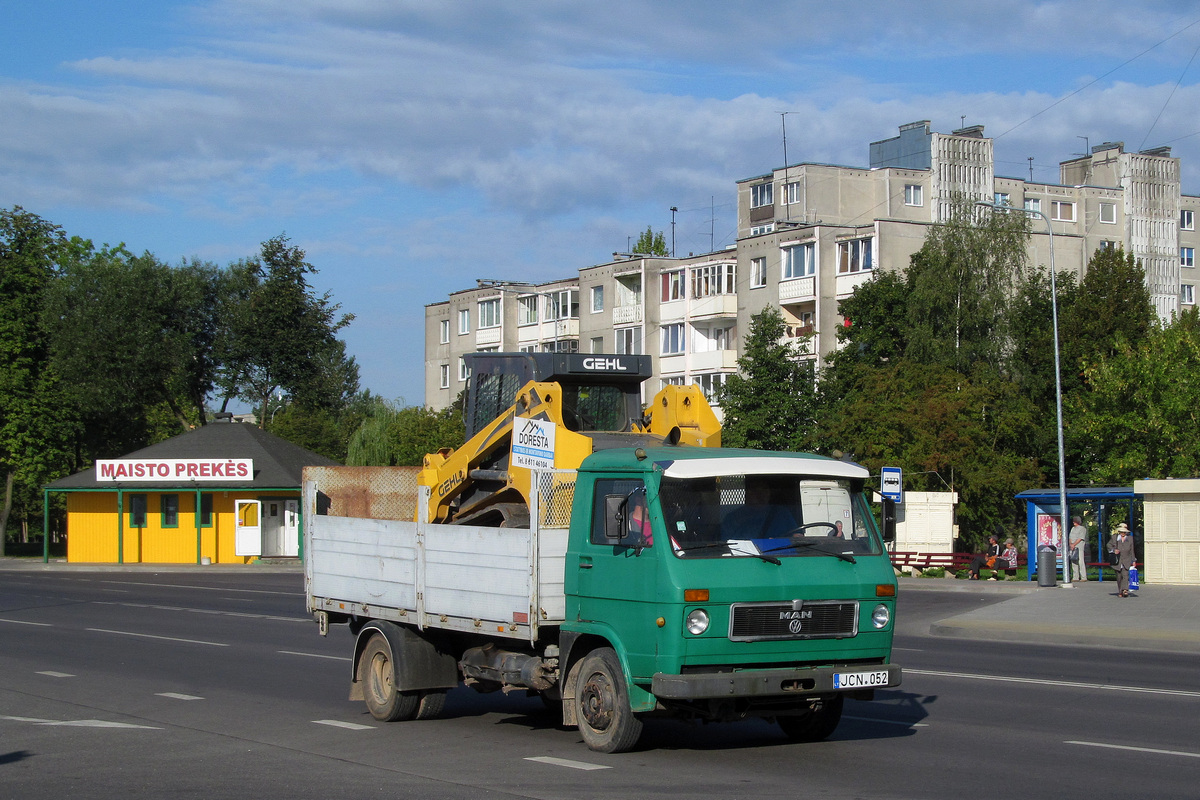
<point x="225" y="493"/>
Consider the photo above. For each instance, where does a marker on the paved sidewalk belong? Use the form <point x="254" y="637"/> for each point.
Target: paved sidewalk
<point x="1158" y="617"/>
<point x="14" y="564"/>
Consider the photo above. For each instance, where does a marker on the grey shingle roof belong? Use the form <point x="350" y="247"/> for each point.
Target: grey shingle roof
<point x="277" y="462"/>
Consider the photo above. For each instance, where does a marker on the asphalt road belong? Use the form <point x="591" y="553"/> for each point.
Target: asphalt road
<point x="213" y="685"/>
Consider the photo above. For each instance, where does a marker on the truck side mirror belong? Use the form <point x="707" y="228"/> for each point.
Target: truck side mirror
<point x="616" y="506"/>
<point x="889" y="520"/>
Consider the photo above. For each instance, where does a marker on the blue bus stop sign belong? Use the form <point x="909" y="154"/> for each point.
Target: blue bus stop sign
<point x="891" y="484"/>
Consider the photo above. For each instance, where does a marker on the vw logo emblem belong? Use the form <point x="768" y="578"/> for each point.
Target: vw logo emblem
<point x="794" y="625"/>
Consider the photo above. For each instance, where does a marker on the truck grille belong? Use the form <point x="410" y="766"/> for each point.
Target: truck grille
<point x="754" y="622"/>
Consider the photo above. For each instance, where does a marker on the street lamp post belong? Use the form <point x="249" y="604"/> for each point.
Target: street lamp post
<point x="1062" y="461"/>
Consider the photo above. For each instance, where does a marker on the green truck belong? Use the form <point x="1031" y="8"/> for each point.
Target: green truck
<point x="699" y="582"/>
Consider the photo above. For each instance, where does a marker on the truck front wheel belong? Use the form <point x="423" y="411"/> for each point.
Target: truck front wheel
<point x="607" y="723"/>
<point x="377" y="673"/>
<point x="816" y="725"/>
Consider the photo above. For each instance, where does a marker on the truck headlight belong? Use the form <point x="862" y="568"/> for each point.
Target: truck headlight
<point x="881" y="616"/>
<point x="697" y="622"/>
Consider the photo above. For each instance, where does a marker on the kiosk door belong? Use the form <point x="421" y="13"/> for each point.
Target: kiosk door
<point x="247" y="535"/>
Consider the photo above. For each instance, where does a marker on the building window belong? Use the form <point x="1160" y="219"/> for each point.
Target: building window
<point x="1187" y="294"/>
<point x="1033" y="204"/>
<point x="464" y="321"/>
<point x="137" y="510"/>
<point x="672" y="380"/>
<point x="758" y="272"/>
<point x="562" y="305"/>
<point x="445" y="376"/>
<point x="527" y="348"/>
<point x="713" y="279"/>
<point x="561" y="346"/>
<point x="855" y="255"/>
<point x="527" y="310"/>
<point x="206" y="508"/>
<point x="463" y="372"/>
<point x="762" y="194"/>
<point x="708" y="340"/>
<point x="1107" y="245"/>
<point x="629" y="341"/>
<point x="597" y="299"/>
<point x="914" y="195"/>
<point x="445" y="328"/>
<point x="1001" y="199"/>
<point x="673" y="284"/>
<point x="597" y="344"/>
<point x="489" y="313"/>
<point x="1061" y="211"/>
<point x="794" y="195"/>
<point x="1187" y="256"/>
<point x="1108" y="213"/>
<point x="168" y="508"/>
<point x="759" y="230"/>
<point x="1187" y="220"/>
<point x="799" y="261"/>
<point x="710" y="383"/>
<point x="672" y="339"/>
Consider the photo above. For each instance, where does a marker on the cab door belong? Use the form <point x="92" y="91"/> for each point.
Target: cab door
<point x="616" y="579"/>
<point x="247" y="529"/>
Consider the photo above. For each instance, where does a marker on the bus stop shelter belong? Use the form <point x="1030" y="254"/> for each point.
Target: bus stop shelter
<point x="1100" y="508"/>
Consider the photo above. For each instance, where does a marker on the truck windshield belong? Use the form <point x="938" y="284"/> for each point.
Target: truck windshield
<point x="775" y="516"/>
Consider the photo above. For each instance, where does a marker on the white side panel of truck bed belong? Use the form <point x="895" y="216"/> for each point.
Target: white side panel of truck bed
<point x="467" y="578"/>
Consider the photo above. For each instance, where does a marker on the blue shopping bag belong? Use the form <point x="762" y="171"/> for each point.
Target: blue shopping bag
<point x="1133" y="579"/>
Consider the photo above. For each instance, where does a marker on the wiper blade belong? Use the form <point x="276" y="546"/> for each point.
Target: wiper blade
<point x="768" y="558"/>
<point x="814" y="543"/>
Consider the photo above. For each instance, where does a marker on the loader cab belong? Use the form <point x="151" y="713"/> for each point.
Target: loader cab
<point x="599" y="392"/>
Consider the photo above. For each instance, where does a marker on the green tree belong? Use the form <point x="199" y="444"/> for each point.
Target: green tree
<point x="875" y="333"/>
<point x="279" y="336"/>
<point x="960" y="283"/>
<point x="946" y="431"/>
<point x="129" y="334"/>
<point x="1138" y="416"/>
<point x="651" y="243"/>
<point x="1113" y="306"/>
<point x="771" y="402"/>
<point x="402" y="437"/>
<point x="36" y="425"/>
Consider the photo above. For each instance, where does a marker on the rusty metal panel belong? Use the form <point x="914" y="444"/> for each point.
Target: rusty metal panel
<point x="365" y="492"/>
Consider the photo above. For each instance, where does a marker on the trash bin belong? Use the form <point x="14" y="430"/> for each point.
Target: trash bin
<point x="1047" y="565"/>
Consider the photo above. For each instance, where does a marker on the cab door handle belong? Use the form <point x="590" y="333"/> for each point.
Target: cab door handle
<point x="585" y="562"/>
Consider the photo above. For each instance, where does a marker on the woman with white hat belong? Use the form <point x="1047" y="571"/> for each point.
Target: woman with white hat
<point x="1121" y="546"/>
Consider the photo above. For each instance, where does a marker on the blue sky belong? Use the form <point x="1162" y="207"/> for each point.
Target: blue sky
<point x="412" y="147"/>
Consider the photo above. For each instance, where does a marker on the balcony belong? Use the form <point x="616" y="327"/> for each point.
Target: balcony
<point x="798" y="289"/>
<point x="846" y="284"/>
<point x="627" y="315"/>
<point x="488" y="336"/>
<point x="714" y="306"/>
<point x="714" y="361"/>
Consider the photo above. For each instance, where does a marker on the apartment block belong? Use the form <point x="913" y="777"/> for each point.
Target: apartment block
<point x="808" y="234"/>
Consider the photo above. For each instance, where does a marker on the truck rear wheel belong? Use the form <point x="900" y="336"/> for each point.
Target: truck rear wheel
<point x="606" y="721"/>
<point x="431" y="705"/>
<point x="815" y="725"/>
<point x="377" y="673"/>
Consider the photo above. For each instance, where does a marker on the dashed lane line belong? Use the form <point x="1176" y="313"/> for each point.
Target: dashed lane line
<point x="23" y="622"/>
<point x="564" y="762"/>
<point x="52" y="674"/>
<point x="160" y="638"/>
<point x="1107" y="687"/>
<point x="78" y="723"/>
<point x="350" y="726"/>
<point x="1155" y="750"/>
<point x="177" y="696"/>
<point x="314" y="655"/>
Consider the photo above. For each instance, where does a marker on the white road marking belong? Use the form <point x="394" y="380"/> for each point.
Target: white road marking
<point x="350" y="726"/>
<point x="79" y="723"/>
<point x="563" y="762"/>
<point x="1137" y="749"/>
<point x="206" y="588"/>
<point x="23" y="622"/>
<point x="177" y="696"/>
<point x="1107" y="687"/>
<point x="212" y="611"/>
<point x="161" y="638"/>
<point x="888" y="721"/>
<point x="52" y="674"/>
<point x="315" y="655"/>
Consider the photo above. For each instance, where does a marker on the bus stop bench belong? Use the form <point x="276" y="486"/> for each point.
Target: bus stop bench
<point x="950" y="561"/>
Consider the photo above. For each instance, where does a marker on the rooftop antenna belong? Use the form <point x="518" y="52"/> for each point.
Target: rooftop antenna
<point x="1031" y="169"/>
<point x="1087" y="146"/>
<point x="787" y="210"/>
